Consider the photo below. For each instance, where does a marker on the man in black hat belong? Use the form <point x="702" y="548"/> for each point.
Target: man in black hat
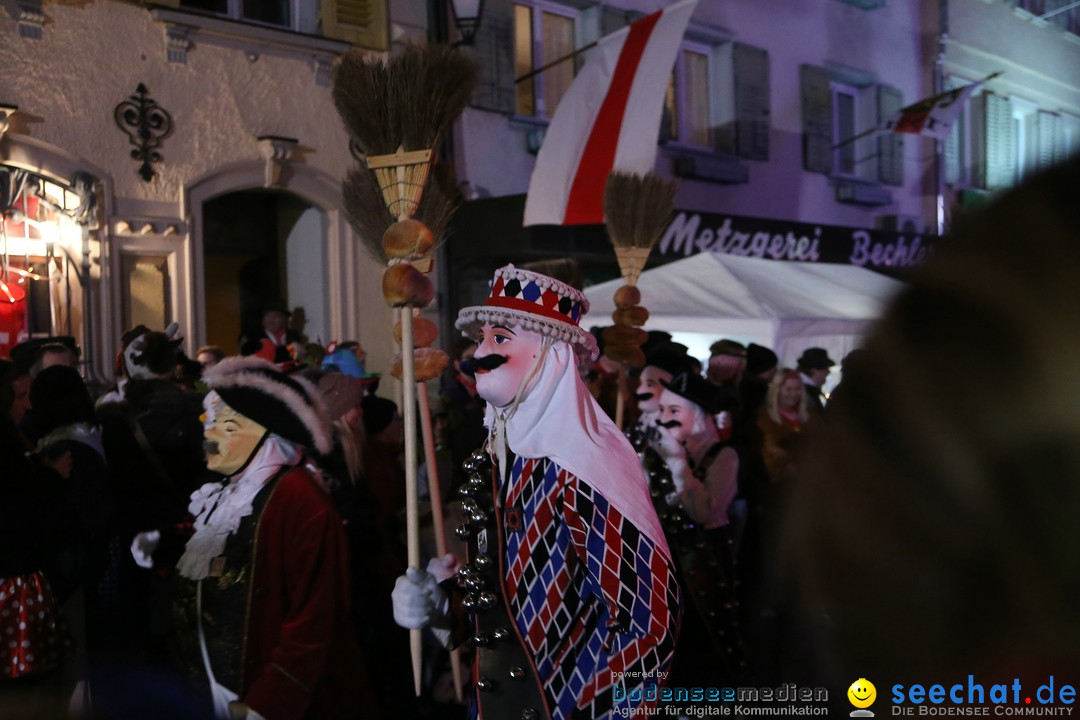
<point x="265" y="620"/>
<point x="814" y="366"/>
<point x="694" y="494"/>
<point x="288" y="344"/>
<point x="662" y="362"/>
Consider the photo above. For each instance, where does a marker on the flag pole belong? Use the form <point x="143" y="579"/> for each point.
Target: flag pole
<point x="553" y="63"/>
<point x="860" y="136"/>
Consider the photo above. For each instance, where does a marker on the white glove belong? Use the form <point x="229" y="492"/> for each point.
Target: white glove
<point x="668" y="447"/>
<point x="418" y="600"/>
<point x="723" y="420"/>
<point x="443" y="568"/>
<point x="143" y="547"/>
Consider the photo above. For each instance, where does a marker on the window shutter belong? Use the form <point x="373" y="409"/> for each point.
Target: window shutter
<point x="816" y="119"/>
<point x="1049" y="140"/>
<point x="998" y="166"/>
<point x="953" y="159"/>
<point x="360" y="22"/>
<point x="890" y="145"/>
<point x="612" y="19"/>
<point x="493" y="50"/>
<point x="752" y="121"/>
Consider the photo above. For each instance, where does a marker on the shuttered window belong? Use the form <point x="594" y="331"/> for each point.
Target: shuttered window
<point x="841" y="108"/>
<point x="890" y="146"/>
<point x="845" y="116"/>
<point x="360" y="22"/>
<point x="750" y="66"/>
<point x="956" y="146"/>
<point x="1049" y="140"/>
<point x="993" y="146"/>
<point x="543" y="32"/>
<point x="817" y="119"/>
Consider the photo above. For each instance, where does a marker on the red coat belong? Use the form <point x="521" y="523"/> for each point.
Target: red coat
<point x="301" y="659"/>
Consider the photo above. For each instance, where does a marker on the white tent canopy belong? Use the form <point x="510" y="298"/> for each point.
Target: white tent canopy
<point x="787" y="306"/>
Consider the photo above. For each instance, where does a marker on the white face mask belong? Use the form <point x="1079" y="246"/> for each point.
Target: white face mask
<point x="650" y="383"/>
<point x="675" y="408"/>
<point x="521" y="348"/>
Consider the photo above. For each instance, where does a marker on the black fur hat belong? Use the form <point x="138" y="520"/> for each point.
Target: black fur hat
<point x="286" y="405"/>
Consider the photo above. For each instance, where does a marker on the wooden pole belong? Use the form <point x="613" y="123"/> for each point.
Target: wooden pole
<point x="620" y="401"/>
<point x="436" y="510"/>
<point x="412" y="516"/>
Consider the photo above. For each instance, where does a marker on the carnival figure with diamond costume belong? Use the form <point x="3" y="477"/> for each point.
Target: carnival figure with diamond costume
<point x="266" y="613"/>
<point x="570" y="581"/>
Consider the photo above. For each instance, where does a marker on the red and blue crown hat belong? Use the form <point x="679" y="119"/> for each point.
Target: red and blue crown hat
<point x="526" y="299"/>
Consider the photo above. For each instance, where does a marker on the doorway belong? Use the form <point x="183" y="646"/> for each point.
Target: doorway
<point x="262" y="246"/>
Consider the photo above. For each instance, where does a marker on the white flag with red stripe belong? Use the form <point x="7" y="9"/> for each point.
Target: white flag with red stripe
<point x="609" y="119"/>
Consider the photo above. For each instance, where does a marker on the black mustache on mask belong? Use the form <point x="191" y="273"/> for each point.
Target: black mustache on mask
<point x="669" y="424"/>
<point x="643" y="396"/>
<point x="488" y="362"/>
<point x="210" y="447"/>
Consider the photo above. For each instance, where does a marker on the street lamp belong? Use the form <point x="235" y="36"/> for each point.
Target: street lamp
<point x="467" y="15"/>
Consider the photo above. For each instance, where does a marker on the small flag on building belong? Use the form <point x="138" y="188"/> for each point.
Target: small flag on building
<point x="609" y="119"/>
<point x="934" y="116"/>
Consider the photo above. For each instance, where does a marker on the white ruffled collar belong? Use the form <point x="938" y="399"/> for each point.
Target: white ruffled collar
<point x="219" y="507"/>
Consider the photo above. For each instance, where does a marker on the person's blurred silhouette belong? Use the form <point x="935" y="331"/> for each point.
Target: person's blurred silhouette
<point x="934" y="523"/>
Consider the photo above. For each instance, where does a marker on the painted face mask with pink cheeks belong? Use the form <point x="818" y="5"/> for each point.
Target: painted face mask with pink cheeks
<point x="521" y="348"/>
<point x="677" y="416"/>
<point x="649" y="388"/>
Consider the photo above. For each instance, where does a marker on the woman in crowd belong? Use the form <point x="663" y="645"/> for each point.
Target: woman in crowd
<point x="781" y="421"/>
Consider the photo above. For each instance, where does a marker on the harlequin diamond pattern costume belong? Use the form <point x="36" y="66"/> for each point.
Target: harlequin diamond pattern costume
<point x="583" y="570"/>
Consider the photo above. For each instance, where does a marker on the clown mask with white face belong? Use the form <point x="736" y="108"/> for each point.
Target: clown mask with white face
<point x="521" y="349"/>
<point x="649" y="388"/>
<point x="678" y="416"/>
<point x="230" y="438"/>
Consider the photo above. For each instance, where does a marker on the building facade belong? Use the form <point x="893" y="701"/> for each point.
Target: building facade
<point x="181" y="161"/>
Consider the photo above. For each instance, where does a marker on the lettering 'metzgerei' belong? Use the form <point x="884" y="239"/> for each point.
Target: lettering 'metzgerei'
<point x="685" y="235"/>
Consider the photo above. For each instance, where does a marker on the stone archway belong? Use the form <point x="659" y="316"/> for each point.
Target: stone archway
<point x="346" y="285"/>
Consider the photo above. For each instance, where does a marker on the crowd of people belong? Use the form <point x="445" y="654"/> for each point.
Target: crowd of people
<point x="108" y="496"/>
<point x="221" y="536"/>
<point x="723" y="453"/>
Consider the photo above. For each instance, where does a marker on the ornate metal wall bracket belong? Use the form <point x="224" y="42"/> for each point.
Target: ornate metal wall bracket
<point x="146" y="124"/>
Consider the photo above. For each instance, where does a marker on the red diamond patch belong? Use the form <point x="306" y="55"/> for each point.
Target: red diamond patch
<point x="549" y="299"/>
<point x="497" y="290"/>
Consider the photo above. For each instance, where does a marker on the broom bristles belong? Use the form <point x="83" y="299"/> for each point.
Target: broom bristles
<point x="637" y="208"/>
<point x="366" y="210"/>
<point x="407" y="102"/>
<point x="359" y="91"/>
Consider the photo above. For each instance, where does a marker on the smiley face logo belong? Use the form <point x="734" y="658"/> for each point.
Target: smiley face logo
<point x="862" y="693"/>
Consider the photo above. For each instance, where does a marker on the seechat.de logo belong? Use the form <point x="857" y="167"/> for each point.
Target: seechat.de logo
<point x="862" y="695"/>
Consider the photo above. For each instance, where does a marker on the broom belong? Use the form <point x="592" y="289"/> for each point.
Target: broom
<point x="369" y="217"/>
<point x="367" y="213"/>
<point x="637" y="209"/>
<point x="397" y="112"/>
